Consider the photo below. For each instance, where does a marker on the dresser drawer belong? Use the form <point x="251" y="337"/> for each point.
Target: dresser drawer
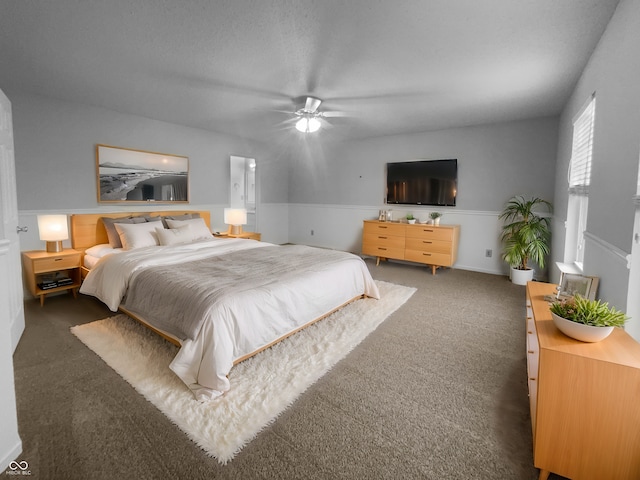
<point x="56" y="263"/>
<point x="431" y="246"/>
<point x="384" y="228"/>
<point x="443" y="259"/>
<point x="385" y="252"/>
<point x="427" y="232"/>
<point x="382" y="240"/>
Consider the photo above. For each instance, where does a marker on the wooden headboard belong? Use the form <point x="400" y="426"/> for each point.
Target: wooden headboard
<point x="87" y="229"/>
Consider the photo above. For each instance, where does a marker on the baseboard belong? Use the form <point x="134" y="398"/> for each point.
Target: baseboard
<point x="10" y="455"/>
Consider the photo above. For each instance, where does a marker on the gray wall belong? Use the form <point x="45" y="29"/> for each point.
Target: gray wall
<point x="495" y="162"/>
<point x="56" y="166"/>
<point x="613" y="73"/>
<point x="334" y="187"/>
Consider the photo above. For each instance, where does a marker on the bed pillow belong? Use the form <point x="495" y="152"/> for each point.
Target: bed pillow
<point x="175" y="236"/>
<point x="152" y="219"/>
<point x="199" y="229"/>
<point x="112" y="234"/>
<point x="184" y="216"/>
<point x="137" y="235"/>
<point x="101" y="250"/>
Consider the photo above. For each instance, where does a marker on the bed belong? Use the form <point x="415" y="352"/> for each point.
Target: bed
<point x="220" y="300"/>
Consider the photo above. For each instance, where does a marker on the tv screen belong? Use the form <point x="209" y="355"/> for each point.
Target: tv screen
<point x="423" y="182"/>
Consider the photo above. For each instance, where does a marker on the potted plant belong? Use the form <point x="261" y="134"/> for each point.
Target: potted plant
<point x="435" y="216"/>
<point x="526" y="236"/>
<point x="410" y="218"/>
<point x="586" y="320"/>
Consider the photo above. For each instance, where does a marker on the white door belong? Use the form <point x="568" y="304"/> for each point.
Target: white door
<point x="11" y="301"/>
<point x="9" y="225"/>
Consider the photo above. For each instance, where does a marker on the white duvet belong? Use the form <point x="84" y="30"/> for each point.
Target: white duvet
<point x="269" y="301"/>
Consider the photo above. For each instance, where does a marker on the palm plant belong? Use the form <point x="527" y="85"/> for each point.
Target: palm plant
<point x="526" y="235"/>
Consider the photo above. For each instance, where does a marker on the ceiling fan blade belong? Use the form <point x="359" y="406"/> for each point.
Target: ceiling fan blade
<point x="334" y="114"/>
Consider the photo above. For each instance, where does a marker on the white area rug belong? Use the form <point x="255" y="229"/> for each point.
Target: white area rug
<point x="262" y="387"/>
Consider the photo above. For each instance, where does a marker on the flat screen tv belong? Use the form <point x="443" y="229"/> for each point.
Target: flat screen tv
<point x="423" y="182"/>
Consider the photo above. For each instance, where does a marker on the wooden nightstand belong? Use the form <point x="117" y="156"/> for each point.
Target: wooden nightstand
<point x="51" y="272"/>
<point x="250" y="235"/>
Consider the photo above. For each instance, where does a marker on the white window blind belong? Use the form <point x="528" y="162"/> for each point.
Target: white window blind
<point x="582" y="150"/>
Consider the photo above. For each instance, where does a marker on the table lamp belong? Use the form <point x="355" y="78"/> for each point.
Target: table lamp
<point x="235" y="218"/>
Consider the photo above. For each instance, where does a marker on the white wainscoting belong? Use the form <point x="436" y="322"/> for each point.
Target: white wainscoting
<point x="340" y="227"/>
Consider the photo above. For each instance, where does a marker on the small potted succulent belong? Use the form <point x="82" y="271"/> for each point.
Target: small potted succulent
<point x="435" y="216"/>
<point x="410" y="218"/>
<point x="586" y="320"/>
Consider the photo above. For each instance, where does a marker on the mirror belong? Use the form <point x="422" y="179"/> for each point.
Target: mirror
<point x="242" y="188"/>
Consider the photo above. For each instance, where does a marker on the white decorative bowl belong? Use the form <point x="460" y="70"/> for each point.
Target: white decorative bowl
<point x="579" y="331"/>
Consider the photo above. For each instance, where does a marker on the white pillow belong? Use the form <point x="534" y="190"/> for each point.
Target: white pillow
<point x="137" y="235"/>
<point x="199" y="229"/>
<point x="175" y="236"/>
<point x="101" y="250"/>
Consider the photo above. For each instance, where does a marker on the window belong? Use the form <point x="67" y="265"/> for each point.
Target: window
<point x="579" y="180"/>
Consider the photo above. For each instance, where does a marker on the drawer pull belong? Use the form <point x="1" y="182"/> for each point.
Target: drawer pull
<point x="533" y="379"/>
<point x="57" y="259"/>
<point x="380" y="226"/>
<point x="426" y="254"/>
<point x="381" y="248"/>
<point x="530" y="332"/>
<point x="530" y="351"/>
<point x="425" y="241"/>
<point x="382" y="238"/>
<point x="430" y="230"/>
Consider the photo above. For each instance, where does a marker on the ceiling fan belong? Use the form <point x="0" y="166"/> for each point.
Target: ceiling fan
<point x="309" y="115"/>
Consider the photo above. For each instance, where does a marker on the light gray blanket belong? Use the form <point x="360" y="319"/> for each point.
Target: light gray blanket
<point x="177" y="298"/>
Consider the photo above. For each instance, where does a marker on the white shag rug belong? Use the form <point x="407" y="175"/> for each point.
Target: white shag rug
<point x="262" y="387"/>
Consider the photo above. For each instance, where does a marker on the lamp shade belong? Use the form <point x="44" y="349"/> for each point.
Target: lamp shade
<point x="53" y="229"/>
<point x="236" y="217"/>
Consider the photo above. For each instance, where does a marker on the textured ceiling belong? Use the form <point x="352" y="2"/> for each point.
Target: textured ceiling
<point x="230" y="66"/>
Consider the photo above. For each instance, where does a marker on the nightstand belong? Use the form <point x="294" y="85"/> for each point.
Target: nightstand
<point x="51" y="272"/>
<point x="250" y="235"/>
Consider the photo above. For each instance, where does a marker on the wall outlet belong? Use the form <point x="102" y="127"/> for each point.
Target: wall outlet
<point x="488" y="253"/>
<point x="311" y="232"/>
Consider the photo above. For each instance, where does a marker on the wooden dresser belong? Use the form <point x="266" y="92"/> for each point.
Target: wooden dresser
<point x="436" y="246"/>
<point x="584" y="398"/>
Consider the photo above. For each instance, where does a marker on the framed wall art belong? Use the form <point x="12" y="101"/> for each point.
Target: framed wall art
<point x="135" y="176"/>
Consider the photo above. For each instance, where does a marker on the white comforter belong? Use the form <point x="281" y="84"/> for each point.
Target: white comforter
<point x="235" y="325"/>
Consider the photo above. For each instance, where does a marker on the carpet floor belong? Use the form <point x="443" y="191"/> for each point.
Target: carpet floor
<point x="261" y="387"/>
<point x="438" y="391"/>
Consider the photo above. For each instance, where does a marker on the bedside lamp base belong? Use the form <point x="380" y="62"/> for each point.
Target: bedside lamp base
<point x="54" y="246"/>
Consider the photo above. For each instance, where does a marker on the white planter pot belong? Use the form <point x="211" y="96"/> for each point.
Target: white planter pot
<point x="579" y="331"/>
<point x="521" y="277"/>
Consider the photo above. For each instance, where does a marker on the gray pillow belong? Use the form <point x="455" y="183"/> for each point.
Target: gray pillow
<point x="112" y="234"/>
<point x="184" y="216"/>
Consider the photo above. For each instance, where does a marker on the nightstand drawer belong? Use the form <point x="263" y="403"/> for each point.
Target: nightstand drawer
<point x="56" y="263"/>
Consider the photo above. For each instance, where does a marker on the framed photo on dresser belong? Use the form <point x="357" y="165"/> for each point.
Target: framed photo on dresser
<point x="574" y="284"/>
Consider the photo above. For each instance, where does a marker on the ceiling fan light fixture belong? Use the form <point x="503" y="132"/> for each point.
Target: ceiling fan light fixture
<point x="308" y="124"/>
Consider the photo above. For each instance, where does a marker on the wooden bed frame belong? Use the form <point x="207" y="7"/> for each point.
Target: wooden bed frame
<point x="87" y="230"/>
